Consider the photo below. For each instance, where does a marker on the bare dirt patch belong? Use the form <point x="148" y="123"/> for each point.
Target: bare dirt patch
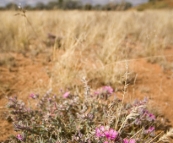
<point x="25" y="77"/>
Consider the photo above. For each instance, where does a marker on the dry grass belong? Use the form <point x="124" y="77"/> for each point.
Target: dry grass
<point x="91" y="44"/>
<point x="97" y="45"/>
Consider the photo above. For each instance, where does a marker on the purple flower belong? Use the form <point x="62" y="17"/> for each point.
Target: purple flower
<point x="19" y="137"/>
<point x="129" y="140"/>
<point x="66" y="95"/>
<point x="108" y="89"/>
<point x="106" y="142"/>
<point x="104" y="90"/>
<point x="111" y="134"/>
<point x="33" y="96"/>
<point x="149" y="130"/>
<point x="108" y="134"/>
<point x="100" y="131"/>
<point x="151" y="117"/>
<point x="145" y="114"/>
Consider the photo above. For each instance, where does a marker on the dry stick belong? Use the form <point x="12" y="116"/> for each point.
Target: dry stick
<point x="166" y="136"/>
<point x="23" y="13"/>
<point x="134" y="87"/>
<point x="126" y="78"/>
<point x="136" y="133"/>
<point x="134" y="111"/>
<point x="124" y="93"/>
<point x="155" y="137"/>
<point x="86" y="87"/>
<point x="133" y="114"/>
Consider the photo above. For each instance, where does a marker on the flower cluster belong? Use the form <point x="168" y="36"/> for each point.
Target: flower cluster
<point x="104" y="92"/>
<point x="144" y="115"/>
<point x="150" y="131"/>
<point x="109" y="134"/>
<point x="70" y="118"/>
<point x="20" y="137"/>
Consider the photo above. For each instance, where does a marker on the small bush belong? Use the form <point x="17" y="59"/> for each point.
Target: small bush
<point x="93" y="118"/>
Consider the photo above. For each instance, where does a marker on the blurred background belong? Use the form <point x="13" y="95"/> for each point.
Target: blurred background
<point x="85" y="4"/>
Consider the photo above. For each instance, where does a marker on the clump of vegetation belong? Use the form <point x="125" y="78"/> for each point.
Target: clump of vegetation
<point x="89" y="117"/>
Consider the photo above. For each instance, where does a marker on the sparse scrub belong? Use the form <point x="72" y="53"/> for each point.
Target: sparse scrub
<point x="86" y="117"/>
<point x="98" y="45"/>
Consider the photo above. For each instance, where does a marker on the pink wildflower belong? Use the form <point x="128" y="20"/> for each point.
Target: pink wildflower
<point x="108" y="89"/>
<point x="150" y="117"/>
<point x="66" y="95"/>
<point x="33" y="96"/>
<point x="100" y="131"/>
<point x="19" y="137"/>
<point x="111" y="134"/>
<point x="104" y="90"/>
<point x="149" y="130"/>
<point x="129" y="140"/>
